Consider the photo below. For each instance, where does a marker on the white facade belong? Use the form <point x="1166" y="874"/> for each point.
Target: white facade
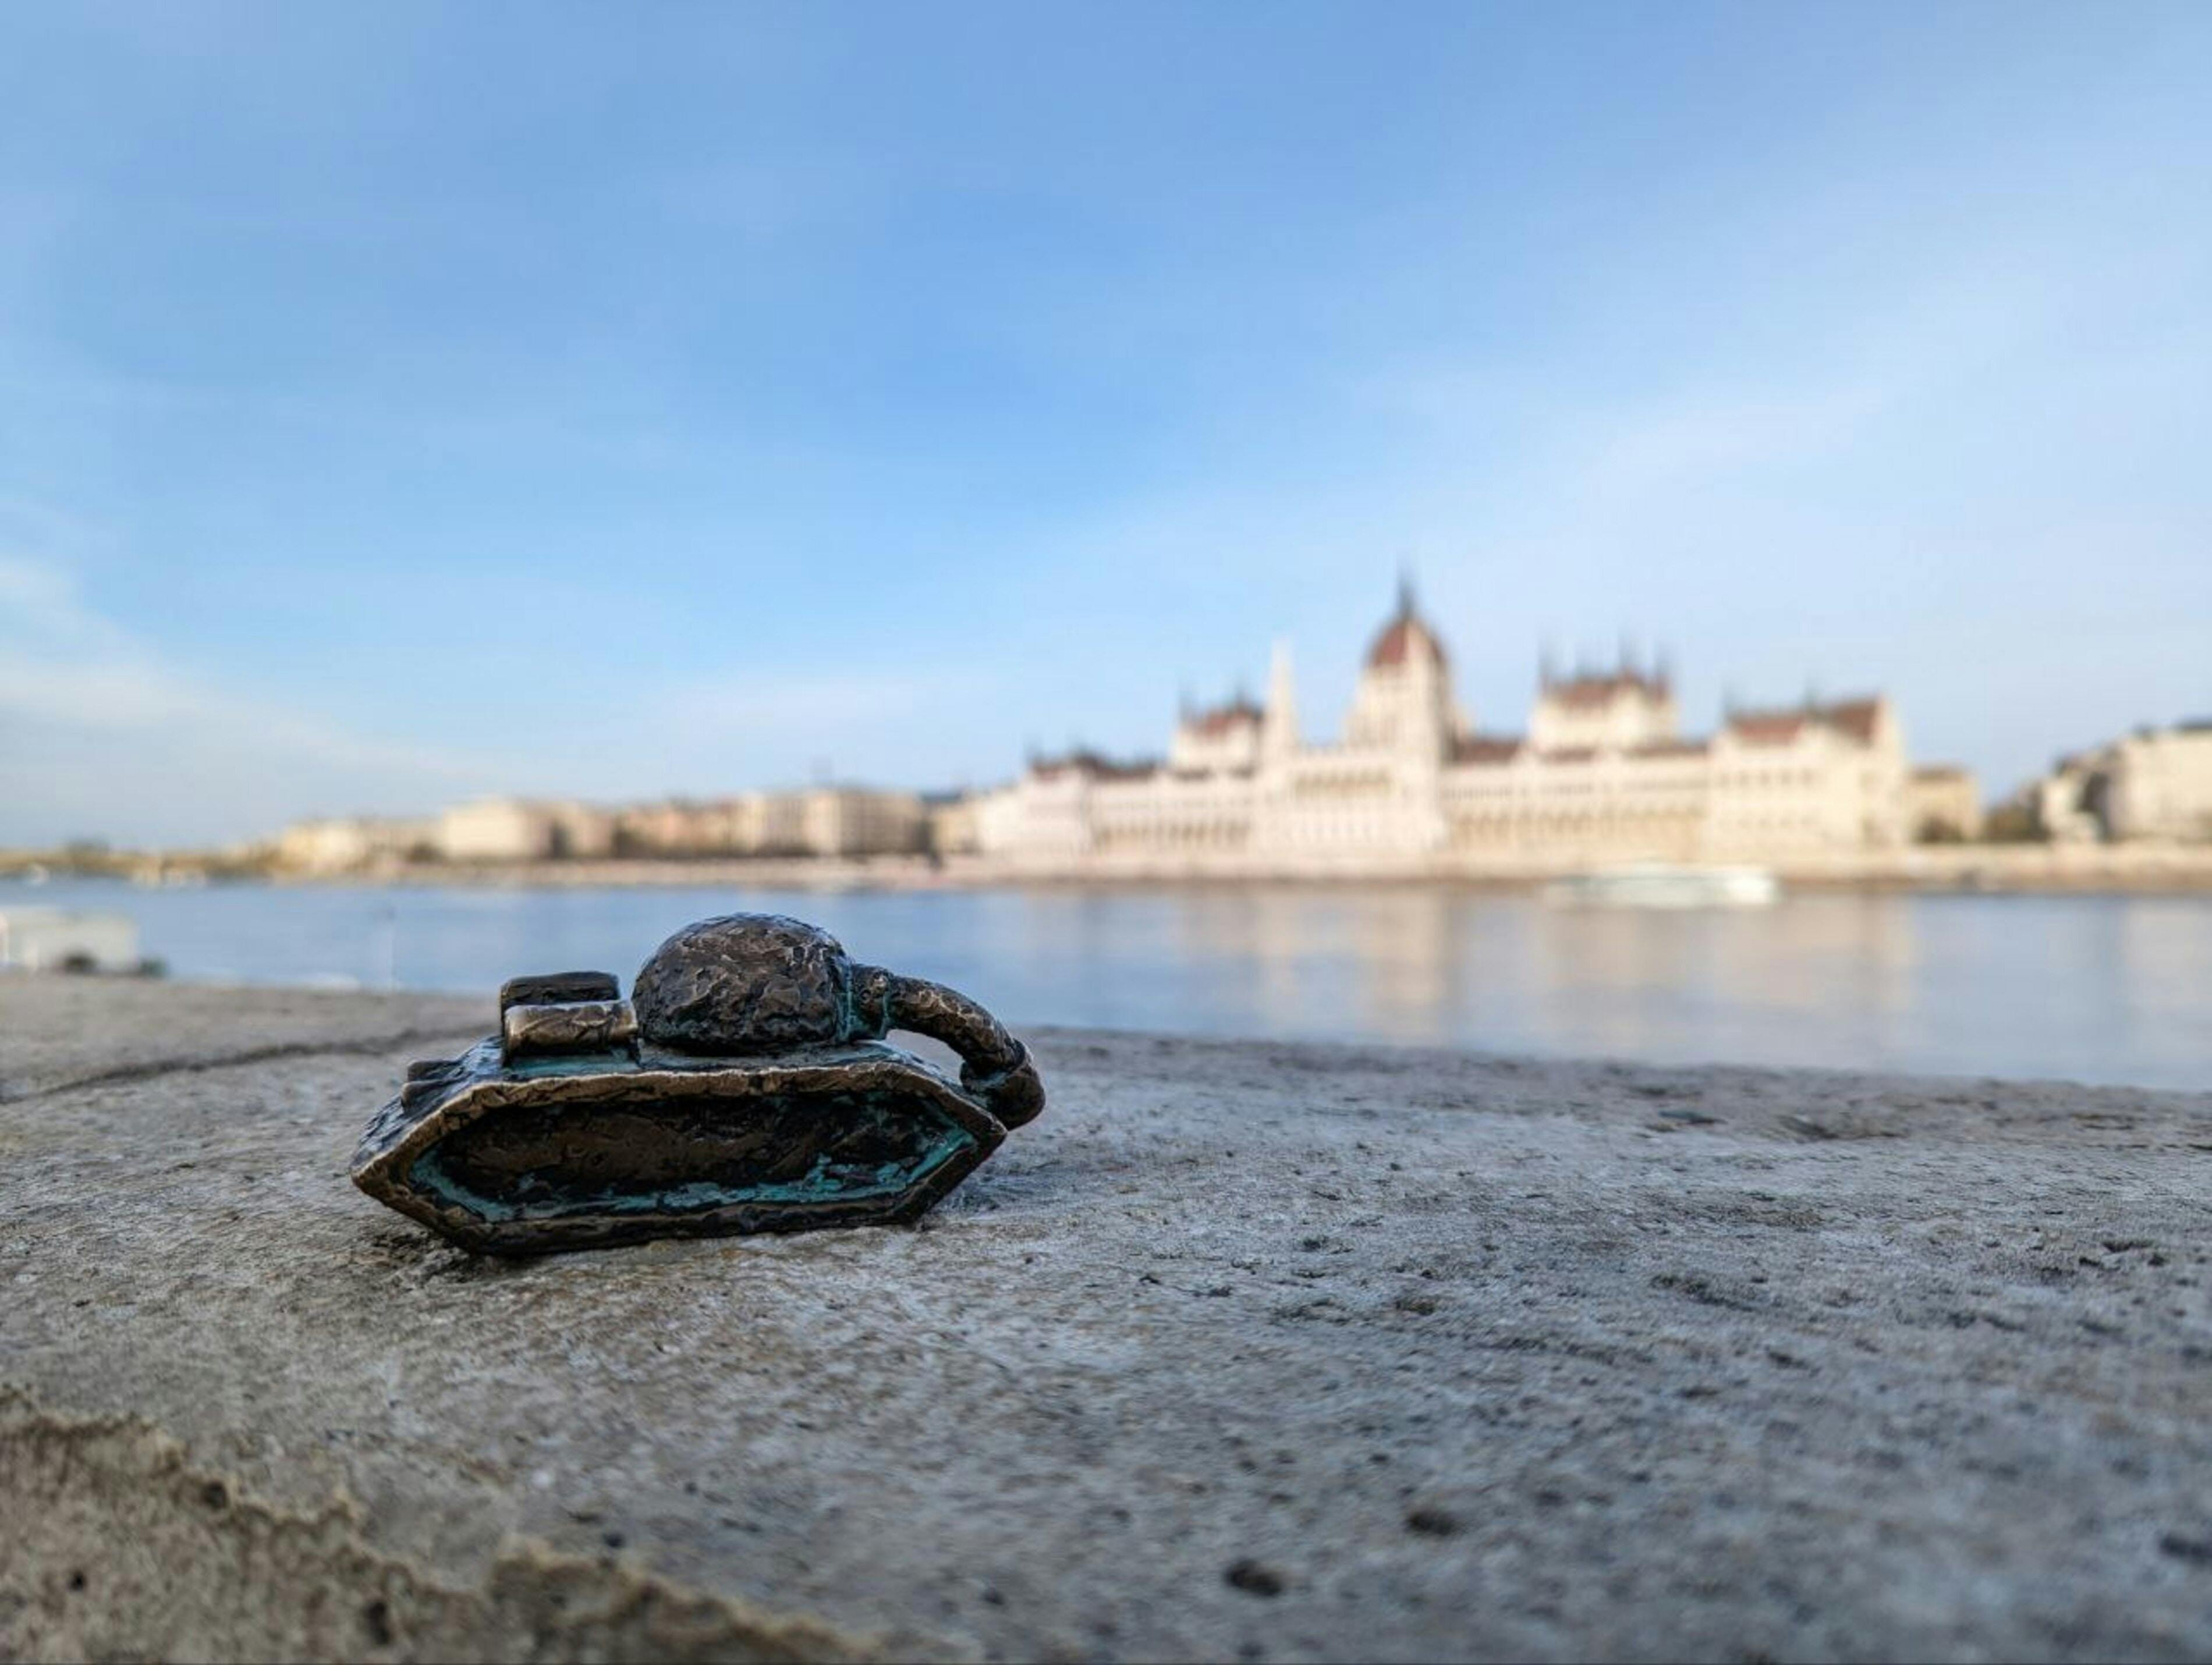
<point x="1619" y="712"/>
<point x="2154" y="783"/>
<point x="2162" y="787"/>
<point x="1603" y="774"/>
<point x="518" y="830"/>
<point x="852" y="821"/>
<point x="349" y="843"/>
<point x="840" y="821"/>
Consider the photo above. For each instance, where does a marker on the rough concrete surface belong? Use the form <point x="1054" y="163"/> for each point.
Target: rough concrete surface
<point x="1248" y="1351"/>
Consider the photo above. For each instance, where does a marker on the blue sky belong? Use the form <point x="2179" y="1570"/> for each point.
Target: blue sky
<point x="400" y="403"/>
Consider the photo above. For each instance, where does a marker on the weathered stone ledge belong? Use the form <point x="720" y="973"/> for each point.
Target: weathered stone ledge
<point x="1255" y="1350"/>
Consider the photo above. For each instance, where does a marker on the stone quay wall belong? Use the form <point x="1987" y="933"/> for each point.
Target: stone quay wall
<point x="1251" y="1352"/>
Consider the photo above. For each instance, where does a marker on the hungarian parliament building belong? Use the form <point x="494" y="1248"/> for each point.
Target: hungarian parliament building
<point x="1604" y="774"/>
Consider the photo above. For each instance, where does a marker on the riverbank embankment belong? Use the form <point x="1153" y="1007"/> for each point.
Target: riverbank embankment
<point x="2145" y="867"/>
<point x="2030" y="869"/>
<point x="1243" y="1351"/>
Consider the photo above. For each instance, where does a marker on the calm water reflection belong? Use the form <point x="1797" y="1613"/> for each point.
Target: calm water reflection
<point x="2094" y="988"/>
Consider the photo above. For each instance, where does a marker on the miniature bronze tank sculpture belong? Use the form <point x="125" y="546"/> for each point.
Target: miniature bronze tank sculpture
<point x="744" y="1086"/>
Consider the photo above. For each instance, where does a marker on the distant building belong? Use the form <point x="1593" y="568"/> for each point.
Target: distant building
<point x="855" y="821"/>
<point x="951" y="823"/>
<point x="346" y="844"/>
<point x="2154" y="783"/>
<point x="1603" y="773"/>
<point x="1943" y="805"/>
<point x="494" y="830"/>
<point x="685" y="827"/>
<point x="823" y="821"/>
<point x="519" y="830"/>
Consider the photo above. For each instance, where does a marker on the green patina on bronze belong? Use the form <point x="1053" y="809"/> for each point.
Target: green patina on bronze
<point x="745" y="1088"/>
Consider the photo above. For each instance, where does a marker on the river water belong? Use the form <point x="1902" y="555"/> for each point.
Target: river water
<point x="2103" y="988"/>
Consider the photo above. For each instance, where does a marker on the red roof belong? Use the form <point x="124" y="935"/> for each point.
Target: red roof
<point x="1094" y="765"/>
<point x="1855" y="717"/>
<point x="1767" y="728"/>
<point x="1400" y="638"/>
<point x="1237" y="714"/>
<point x="1584" y="693"/>
<point x="1486" y="748"/>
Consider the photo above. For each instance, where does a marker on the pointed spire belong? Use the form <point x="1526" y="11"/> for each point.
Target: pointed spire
<point x="1280" y="723"/>
<point x="1547" y="670"/>
<point x="1405" y="589"/>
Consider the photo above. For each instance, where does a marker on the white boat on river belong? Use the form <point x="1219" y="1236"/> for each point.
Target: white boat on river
<point x="1664" y="884"/>
<point x="67" y="939"/>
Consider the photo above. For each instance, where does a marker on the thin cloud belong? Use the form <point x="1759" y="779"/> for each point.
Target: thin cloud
<point x="708" y="736"/>
<point x="100" y="734"/>
<point x="1723" y="436"/>
<point x="94" y="722"/>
